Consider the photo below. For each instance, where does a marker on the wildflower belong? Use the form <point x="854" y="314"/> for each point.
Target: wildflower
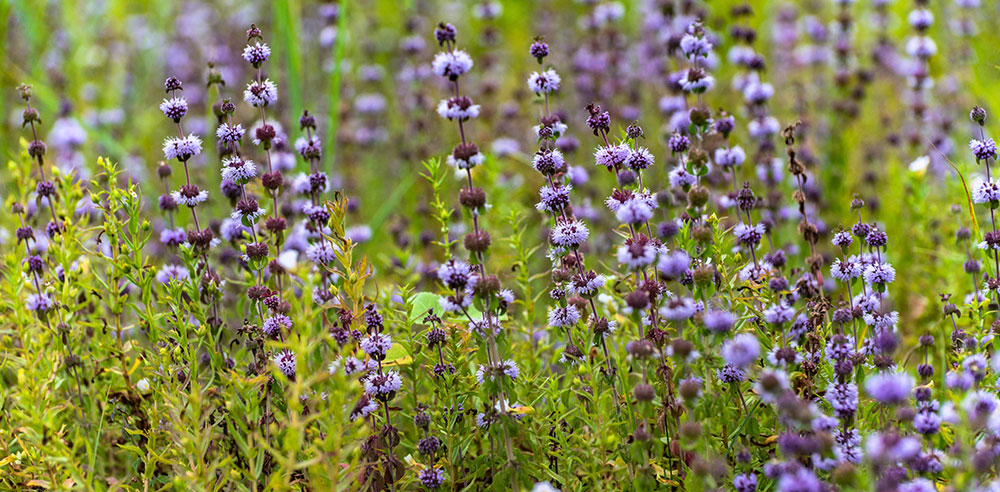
<point x="741" y="351"/>
<point x="749" y="235"/>
<point x="465" y="156"/>
<point x="229" y="134"/>
<point x="986" y="192"/>
<point x="544" y="82"/>
<point x="553" y="198"/>
<point x="730" y="157"/>
<point x="256" y="53"/>
<point x="548" y="162"/>
<point x="432" y="478"/>
<point x="889" y="388"/>
<point x="458" y="108"/>
<point x="639" y="159"/>
<point x="745" y="482"/>
<point x="451" y="64"/>
<point x="880" y="273"/>
<point x="170" y="273"/>
<point x="237" y="170"/>
<point x="275" y="324"/>
<point x="189" y="195"/>
<point x="718" y="321"/>
<point x="39" y="302"/>
<point x="569" y="233"/>
<point x="174" y="108"/>
<point x="376" y="345"/>
<point x="284" y="359"/>
<point x="383" y="386"/>
<point x="779" y="313"/>
<point x="456" y="274"/>
<point x="320" y="253"/>
<point x="261" y="94"/>
<point x="563" y="316"/>
<point x="181" y="148"/>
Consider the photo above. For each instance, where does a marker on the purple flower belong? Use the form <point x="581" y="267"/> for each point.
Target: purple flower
<point x="432" y="478"/>
<point x="320" y="253"/>
<point x="174" y="108"/>
<point x="742" y="350"/>
<point x="673" y="265"/>
<point x="569" y="233"/>
<point x="779" y="313"/>
<point x="451" y="64"/>
<point x="261" y="94"/>
<point x="383" y="386"/>
<point x="843" y="397"/>
<point x="986" y="192"/>
<point x="563" y="316"/>
<point x="170" y="273"/>
<point x="927" y="422"/>
<point x="38" y="302"/>
<point x="718" y="321"/>
<point x="257" y="53"/>
<point x="745" y="482"/>
<point x="889" y="388"/>
<point x="376" y="345"/>
<point x="274" y="324"/>
<point x="544" y="82"/>
<point x="639" y="159"/>
<point x="456" y="274"/>
<point x="284" y="359"/>
<point x="731" y="157"/>
<point x="182" y="148"/>
<point x="173" y="237"/>
<point x="458" y="108"/>
<point x="983" y="149"/>
<point x="880" y="274"/>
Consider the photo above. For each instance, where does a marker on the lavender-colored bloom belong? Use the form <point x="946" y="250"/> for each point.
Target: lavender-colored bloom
<point x="320" y="253"/>
<point x="693" y="46"/>
<point x="383" y="386"/>
<point x="749" y="235"/>
<point x="261" y="94"/>
<point x="169" y="273"/>
<point x="563" y="316"/>
<point x="718" y="321"/>
<point x="637" y="253"/>
<point x="801" y="480"/>
<point x="548" y="161"/>
<point x="927" y="422"/>
<point x="612" y="156"/>
<point x="181" y="148"/>
<point x="745" y="482"/>
<point x="174" y="108"/>
<point x="553" y="198"/>
<point x="742" y="350"/>
<point x="986" y="192"/>
<point x="639" y="159"/>
<point x="779" y="313"/>
<point x="451" y="64"/>
<point x="730" y="157"/>
<point x="431" y="478"/>
<point x="38" y="302"/>
<point x="679" y="309"/>
<point x="376" y="345"/>
<point x="843" y="397"/>
<point x="846" y="270"/>
<point x="257" y="53"/>
<point x="274" y="324"/>
<point x="458" y="108"/>
<point x="636" y="210"/>
<point x="731" y="374"/>
<point x="456" y="274"/>
<point x="230" y="134"/>
<point x="880" y="273"/>
<point x="889" y="388"/>
<point x="173" y="237"/>
<point x="569" y="234"/>
<point x="284" y="359"/>
<point x="544" y="82"/>
<point x="237" y="170"/>
<point x="917" y="485"/>
<point x="680" y="178"/>
<point x="674" y="264"/>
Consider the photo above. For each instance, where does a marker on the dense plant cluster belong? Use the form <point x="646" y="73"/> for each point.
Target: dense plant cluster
<point x="656" y="245"/>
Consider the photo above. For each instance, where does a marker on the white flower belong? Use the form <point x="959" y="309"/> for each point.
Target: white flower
<point x="544" y="82"/>
<point x="259" y="94"/>
<point x="142" y="385"/>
